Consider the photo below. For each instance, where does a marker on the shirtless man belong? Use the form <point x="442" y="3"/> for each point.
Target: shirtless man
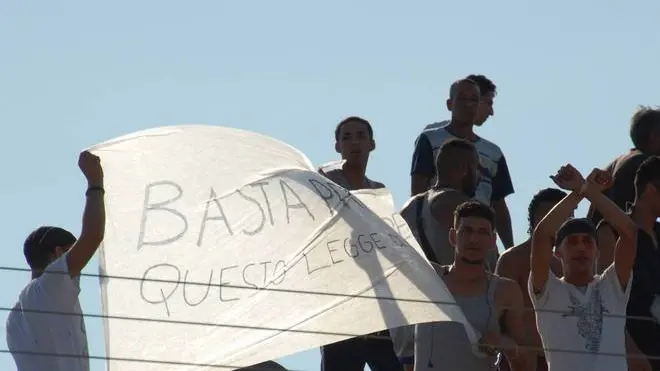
<point x="354" y="142"/>
<point x="514" y="264"/>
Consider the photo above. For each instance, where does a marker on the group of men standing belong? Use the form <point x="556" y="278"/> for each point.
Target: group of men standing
<point x="579" y="293"/>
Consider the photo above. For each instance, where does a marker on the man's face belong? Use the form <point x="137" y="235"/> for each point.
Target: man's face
<point x="578" y="253"/>
<point x="354" y="142"/>
<point x="465" y="102"/>
<point x="485" y="109"/>
<point x="472" y="238"/>
<point x="471" y="178"/>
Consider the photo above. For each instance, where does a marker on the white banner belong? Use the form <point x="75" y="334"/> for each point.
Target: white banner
<point x="225" y="248"/>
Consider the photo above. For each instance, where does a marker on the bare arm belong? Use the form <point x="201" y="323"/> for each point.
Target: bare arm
<point x="423" y="166"/>
<point x="514" y="327"/>
<point x="93" y="223"/>
<point x="503" y="222"/>
<point x="606" y="245"/>
<point x="506" y="266"/>
<point x="543" y="239"/>
<point x="626" y="246"/>
<point x="443" y="206"/>
<point x="419" y="184"/>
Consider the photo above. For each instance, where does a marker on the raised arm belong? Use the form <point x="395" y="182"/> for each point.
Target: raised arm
<point x="93" y="223"/>
<point x="570" y="179"/>
<point x="626" y="246"/>
<point x="606" y="245"/>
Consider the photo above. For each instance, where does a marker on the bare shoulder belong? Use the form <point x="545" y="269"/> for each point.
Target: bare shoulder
<point x="515" y="258"/>
<point x="520" y="250"/>
<point x="447" y="196"/>
<point x="508" y="290"/>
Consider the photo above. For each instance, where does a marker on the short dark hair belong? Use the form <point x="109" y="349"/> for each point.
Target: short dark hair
<point x="643" y="123"/>
<point x="41" y="243"/>
<point x="648" y="172"/>
<point x="485" y="84"/>
<point x="474" y="209"/>
<point x="447" y="147"/>
<point x="370" y="130"/>
<point x="574" y="226"/>
<point x="454" y="86"/>
<point x="553" y="195"/>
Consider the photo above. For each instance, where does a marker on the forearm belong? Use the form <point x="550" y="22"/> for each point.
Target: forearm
<point x="91" y="236"/>
<point x="549" y="225"/>
<point x="420" y="183"/>
<point x="503" y="223"/>
<point x="93" y="221"/>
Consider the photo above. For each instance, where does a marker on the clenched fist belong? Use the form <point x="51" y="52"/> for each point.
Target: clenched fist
<point x="90" y="165"/>
<point x="568" y="178"/>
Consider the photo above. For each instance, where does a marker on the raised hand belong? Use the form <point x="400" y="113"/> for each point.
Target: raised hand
<point x="568" y="178"/>
<point x="90" y="165"/>
<point x="599" y="180"/>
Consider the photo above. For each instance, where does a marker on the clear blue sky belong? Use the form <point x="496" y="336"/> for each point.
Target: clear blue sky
<point x="74" y="73"/>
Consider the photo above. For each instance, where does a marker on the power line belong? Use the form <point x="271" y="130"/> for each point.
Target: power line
<point x="134" y="360"/>
<point x="305" y="292"/>
<point x="176" y="322"/>
<point x="210" y="324"/>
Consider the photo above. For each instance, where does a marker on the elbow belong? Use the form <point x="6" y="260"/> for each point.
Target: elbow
<point x="629" y="231"/>
<point x="92" y="238"/>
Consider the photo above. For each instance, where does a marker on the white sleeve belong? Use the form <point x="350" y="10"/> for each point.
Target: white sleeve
<point x="56" y="284"/>
<point x="541" y="300"/>
<point x="403" y="339"/>
<point x="610" y="278"/>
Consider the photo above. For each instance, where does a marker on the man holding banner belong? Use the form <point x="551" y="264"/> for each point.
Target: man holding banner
<point x="492" y="305"/>
<point x="46" y="330"/>
<point x="354" y="142"/>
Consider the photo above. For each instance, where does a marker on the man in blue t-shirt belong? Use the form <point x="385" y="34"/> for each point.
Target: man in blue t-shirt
<point x="471" y="103"/>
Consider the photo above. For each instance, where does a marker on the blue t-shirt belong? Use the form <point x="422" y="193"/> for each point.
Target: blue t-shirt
<point x="494" y="177"/>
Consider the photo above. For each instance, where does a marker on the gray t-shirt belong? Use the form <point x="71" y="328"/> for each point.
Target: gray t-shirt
<point x="48" y="333"/>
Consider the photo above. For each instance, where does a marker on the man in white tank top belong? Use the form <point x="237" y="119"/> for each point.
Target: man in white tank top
<point x="581" y="316"/>
<point x="354" y="142"/>
<point x="492" y="305"/>
<point x="46" y="330"/>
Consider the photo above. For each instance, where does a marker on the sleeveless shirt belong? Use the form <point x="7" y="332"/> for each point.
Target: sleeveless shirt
<point x="445" y="345"/>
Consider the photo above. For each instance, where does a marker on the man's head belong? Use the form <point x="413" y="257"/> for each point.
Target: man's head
<point x="473" y="234"/>
<point x="576" y="246"/>
<point x="46" y="244"/>
<point x="541" y="204"/>
<point x="457" y="165"/>
<point x="463" y="101"/>
<point x="354" y="140"/>
<point x="488" y="92"/>
<point x="645" y="130"/>
<point x="647" y="184"/>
